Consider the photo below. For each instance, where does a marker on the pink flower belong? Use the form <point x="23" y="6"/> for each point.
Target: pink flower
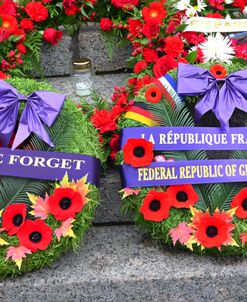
<point x="17" y="253"/>
<point x="181" y="233"/>
<point x="65" y="229"/>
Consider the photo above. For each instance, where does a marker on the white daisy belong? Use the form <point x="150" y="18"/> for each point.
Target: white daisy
<point x="182" y="5"/>
<point x="201" y="5"/>
<point x="217" y="48"/>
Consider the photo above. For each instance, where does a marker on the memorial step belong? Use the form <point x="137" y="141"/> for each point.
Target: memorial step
<point x="120" y="264"/>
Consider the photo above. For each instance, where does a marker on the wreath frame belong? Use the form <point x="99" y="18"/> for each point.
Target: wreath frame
<point x="73" y="133"/>
<point x="212" y="197"/>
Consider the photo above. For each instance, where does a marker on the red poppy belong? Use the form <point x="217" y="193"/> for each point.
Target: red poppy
<point x="64" y="203"/>
<point x="9" y="23"/>
<point x="213" y="230"/>
<point x="138" y="152"/>
<point x="218" y="71"/>
<point x="35" y="235"/>
<point x="153" y="94"/>
<point x="13" y="218"/>
<point x="182" y="197"/>
<point x="155" y="11"/>
<point x="240" y="201"/>
<point x="156" y="206"/>
<point x="139" y="66"/>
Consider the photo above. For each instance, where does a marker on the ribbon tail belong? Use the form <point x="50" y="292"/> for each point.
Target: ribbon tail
<point x="206" y="103"/>
<point x="30" y="123"/>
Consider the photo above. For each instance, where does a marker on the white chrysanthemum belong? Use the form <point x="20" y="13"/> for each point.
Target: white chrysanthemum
<point x="182" y="4"/>
<point x="217" y="48"/>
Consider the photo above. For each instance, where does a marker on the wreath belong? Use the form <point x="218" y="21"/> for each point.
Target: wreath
<point x="205" y="218"/>
<point x="41" y="219"/>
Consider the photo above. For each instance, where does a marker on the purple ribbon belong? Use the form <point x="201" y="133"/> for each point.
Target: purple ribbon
<point x="41" y="107"/>
<point x="197" y="81"/>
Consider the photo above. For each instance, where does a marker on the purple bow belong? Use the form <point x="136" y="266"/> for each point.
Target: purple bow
<point x="196" y="81"/>
<point x="41" y="107"/>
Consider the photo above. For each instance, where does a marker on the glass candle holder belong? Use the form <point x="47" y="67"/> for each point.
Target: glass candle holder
<point x="82" y="77"/>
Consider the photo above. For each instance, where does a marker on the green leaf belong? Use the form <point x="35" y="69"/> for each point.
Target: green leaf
<point x="191" y="57"/>
<point x="83" y="12"/>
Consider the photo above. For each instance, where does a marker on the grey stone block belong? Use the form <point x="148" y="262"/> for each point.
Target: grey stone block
<point x="121" y="264"/>
<point x="56" y="60"/>
<point x="109" y="209"/>
<point x="92" y="46"/>
<point x="103" y="84"/>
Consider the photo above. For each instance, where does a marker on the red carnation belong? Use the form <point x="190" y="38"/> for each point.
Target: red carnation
<point x="71" y="10"/>
<point x="155" y="12"/>
<point x="103" y="120"/>
<point x="240" y="3"/>
<point x="37" y="11"/>
<point x="193" y="37"/>
<point x="52" y="35"/>
<point x="64" y="203"/>
<point x="140" y="66"/>
<point x="216" y="15"/>
<point x="173" y="46"/>
<point x="4" y="34"/>
<point x="135" y="26"/>
<point x="35" y="235"/>
<point x="13" y="218"/>
<point x="151" y="29"/>
<point x="217" y="4"/>
<point x="26" y="24"/>
<point x="141" y="82"/>
<point x="22" y="48"/>
<point x="21" y="33"/>
<point x="8" y="7"/>
<point x="114" y="145"/>
<point x="150" y="55"/>
<point x="105" y="24"/>
<point x="163" y="65"/>
<point x="124" y="3"/>
<point x="3" y="76"/>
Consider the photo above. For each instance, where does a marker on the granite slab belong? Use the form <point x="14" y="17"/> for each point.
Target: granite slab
<point x="120" y="264"/>
<point x="92" y="45"/>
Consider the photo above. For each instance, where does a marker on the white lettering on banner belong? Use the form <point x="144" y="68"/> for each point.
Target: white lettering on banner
<point x="37" y="161"/>
<point x="208" y="25"/>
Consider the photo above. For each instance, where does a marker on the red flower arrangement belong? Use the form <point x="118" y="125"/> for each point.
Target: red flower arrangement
<point x="183" y="196"/>
<point x="138" y="152"/>
<point x="156" y="206"/>
<point x="64" y="203"/>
